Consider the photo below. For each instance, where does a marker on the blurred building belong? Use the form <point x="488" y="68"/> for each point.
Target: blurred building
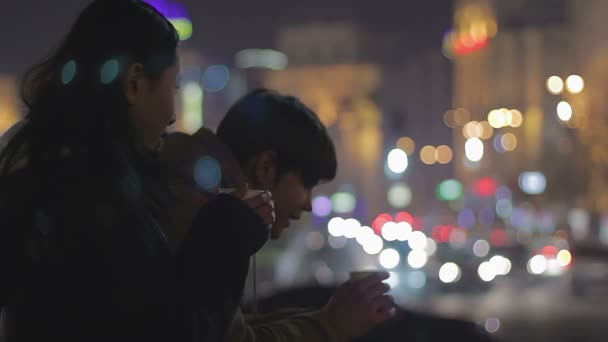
<point x="503" y="54"/>
<point x="370" y="89"/>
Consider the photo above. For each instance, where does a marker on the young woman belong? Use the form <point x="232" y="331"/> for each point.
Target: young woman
<point x="83" y="201"/>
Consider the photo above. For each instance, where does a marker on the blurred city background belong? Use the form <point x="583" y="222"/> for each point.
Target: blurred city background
<point x="472" y="138"/>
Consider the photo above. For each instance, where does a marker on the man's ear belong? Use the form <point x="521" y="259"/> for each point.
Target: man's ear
<point x="265" y="168"/>
<point x="133" y="82"/>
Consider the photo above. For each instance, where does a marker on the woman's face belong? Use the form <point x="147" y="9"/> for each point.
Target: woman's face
<point x="152" y="102"/>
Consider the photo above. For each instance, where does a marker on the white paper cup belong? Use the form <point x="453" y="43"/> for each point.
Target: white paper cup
<point x="249" y="194"/>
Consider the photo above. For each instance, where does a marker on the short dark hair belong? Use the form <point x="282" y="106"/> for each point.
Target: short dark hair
<point x="266" y="120"/>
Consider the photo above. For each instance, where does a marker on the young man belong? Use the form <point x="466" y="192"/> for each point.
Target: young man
<point x="281" y="146"/>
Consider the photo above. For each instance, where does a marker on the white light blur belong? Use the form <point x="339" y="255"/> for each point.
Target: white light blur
<point x="501" y="265"/>
<point x="486" y="271"/>
<point x="533" y="183"/>
<point x="261" y="58"/>
<point x="481" y="248"/>
<point x="389" y="231"/>
<point x="404" y="230"/>
<point x="351" y="227"/>
<point x="553" y="268"/>
<point x="449" y="273"/>
<point x="537" y="264"/>
<point x="417" y="259"/>
<point x="335" y="226"/>
<point x="575" y="84"/>
<point x="555" y="85"/>
<point x="492" y="325"/>
<point x="417" y="241"/>
<point x="416" y="279"/>
<point x="373" y="245"/>
<point x="474" y="149"/>
<point x="389" y="258"/>
<point x="497" y="118"/>
<point x="392" y="280"/>
<point x="431" y="247"/>
<point x="564" y="111"/>
<point x="363" y="235"/>
<point x="399" y="195"/>
<point x="397" y="160"/>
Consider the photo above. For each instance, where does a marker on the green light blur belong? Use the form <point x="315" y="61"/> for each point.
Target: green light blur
<point x="449" y="190"/>
<point x="183" y="27"/>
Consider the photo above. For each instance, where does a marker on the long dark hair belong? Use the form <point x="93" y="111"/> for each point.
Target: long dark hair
<point x="75" y="99"/>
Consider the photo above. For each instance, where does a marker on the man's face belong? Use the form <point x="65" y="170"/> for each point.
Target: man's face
<point x="291" y="197"/>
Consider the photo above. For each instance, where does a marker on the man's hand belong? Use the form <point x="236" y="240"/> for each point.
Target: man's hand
<point x="262" y="204"/>
<point x="359" y="305"/>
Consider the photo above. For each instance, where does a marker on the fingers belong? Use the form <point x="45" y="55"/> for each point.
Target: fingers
<point x="241" y="191"/>
<point x="375" y="291"/>
<point x="266" y="212"/>
<point x="363" y="286"/>
<point x="259" y="200"/>
<point x="383" y="308"/>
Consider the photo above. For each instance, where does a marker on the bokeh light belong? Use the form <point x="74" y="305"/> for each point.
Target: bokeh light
<point x="486" y="130"/>
<point x="335" y="227"/>
<point x="207" y="173"/>
<point x="449" y="190"/>
<point x="472" y="129"/>
<point x="504" y="207"/>
<point x="443" y="154"/>
<point x="502" y="266"/>
<point x="555" y="85"/>
<point x="109" y="71"/>
<point x="315" y="241"/>
<point x="498" y="143"/>
<point x="389" y="258"/>
<point x="466" y="218"/>
<point x="486" y="271"/>
<point x="216" y="77"/>
<point x="192" y="106"/>
<point x="564" y="111"/>
<point x="486" y="187"/>
<point x="461" y="116"/>
<point x="399" y="195"/>
<point x="497" y="118"/>
<point x="532" y="183"/>
<point x="474" y="149"/>
<point x="261" y="58"/>
<point x="449" y="119"/>
<point x="417" y="258"/>
<point x="343" y="202"/>
<point x="564" y="258"/>
<point x="517" y="119"/>
<point x="407" y="144"/>
<point x="397" y="160"/>
<point x="508" y="142"/>
<point x="373" y="245"/>
<point x="492" y="325"/>
<point x="537" y="264"/>
<point x="575" y="84"/>
<point x="183" y="26"/>
<point x="68" y="72"/>
<point x="428" y="155"/>
<point x="449" y="273"/>
<point x="416" y="279"/>
<point x="481" y="248"/>
<point x="417" y="241"/>
<point x="321" y="206"/>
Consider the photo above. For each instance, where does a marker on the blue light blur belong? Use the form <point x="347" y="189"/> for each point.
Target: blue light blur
<point x="466" y="218"/>
<point x="216" y="77"/>
<point x="207" y="173"/>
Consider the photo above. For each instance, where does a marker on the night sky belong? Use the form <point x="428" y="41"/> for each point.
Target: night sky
<point x="31" y="28"/>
